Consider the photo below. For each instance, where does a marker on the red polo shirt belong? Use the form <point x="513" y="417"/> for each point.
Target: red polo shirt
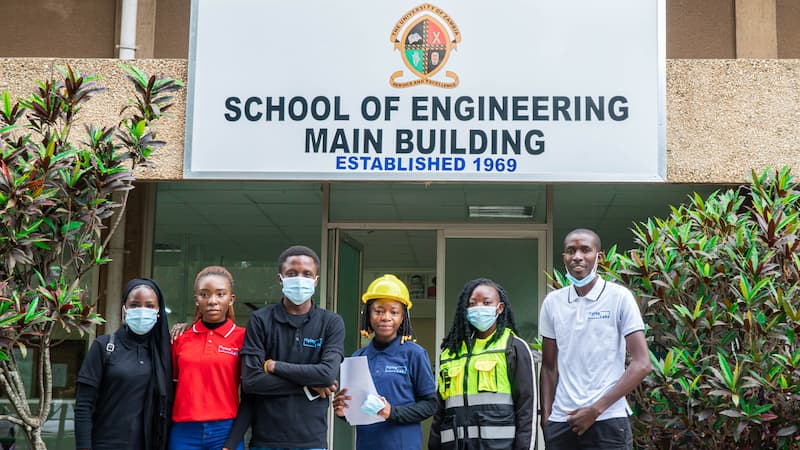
<point x="206" y="366"/>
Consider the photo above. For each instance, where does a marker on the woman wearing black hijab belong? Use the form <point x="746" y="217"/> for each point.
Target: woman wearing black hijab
<point x="125" y="392"/>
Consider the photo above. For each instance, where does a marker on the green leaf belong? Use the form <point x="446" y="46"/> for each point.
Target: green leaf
<point x="135" y="73"/>
<point x="668" y="363"/>
<point x="29" y="315"/>
<point x="139" y="128"/>
<point x="42" y="245"/>
<point x="72" y="226"/>
<point x="725" y="368"/>
<point x="6" y="105"/>
<point x="10" y="320"/>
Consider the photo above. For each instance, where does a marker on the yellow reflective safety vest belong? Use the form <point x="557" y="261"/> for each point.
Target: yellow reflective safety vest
<point x="476" y="390"/>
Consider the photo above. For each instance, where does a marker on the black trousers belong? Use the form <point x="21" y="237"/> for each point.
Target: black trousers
<point x="610" y="434"/>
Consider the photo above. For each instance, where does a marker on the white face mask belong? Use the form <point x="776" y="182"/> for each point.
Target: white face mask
<point x="298" y="289"/>
<point x="482" y="317"/>
<point x="585" y="280"/>
<point x="141" y="320"/>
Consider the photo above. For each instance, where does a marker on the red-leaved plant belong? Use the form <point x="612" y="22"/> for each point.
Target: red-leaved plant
<point x="55" y="198"/>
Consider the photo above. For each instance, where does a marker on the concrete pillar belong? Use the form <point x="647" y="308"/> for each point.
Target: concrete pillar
<point x="756" y="29"/>
<point x="146" y="29"/>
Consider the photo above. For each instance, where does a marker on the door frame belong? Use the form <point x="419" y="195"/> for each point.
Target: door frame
<point x="446" y="230"/>
<point x="490" y="232"/>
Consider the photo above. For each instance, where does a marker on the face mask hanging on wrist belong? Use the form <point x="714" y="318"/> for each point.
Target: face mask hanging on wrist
<point x="140" y="320"/>
<point x="585" y="280"/>
<point x="298" y="289"/>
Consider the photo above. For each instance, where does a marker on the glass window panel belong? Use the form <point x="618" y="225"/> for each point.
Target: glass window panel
<point x="512" y="263"/>
<point x="241" y="226"/>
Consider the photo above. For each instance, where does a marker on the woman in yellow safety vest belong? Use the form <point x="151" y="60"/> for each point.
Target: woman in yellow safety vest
<point x="487" y="388"/>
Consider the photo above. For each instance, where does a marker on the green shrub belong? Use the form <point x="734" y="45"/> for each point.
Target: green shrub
<point x="719" y="285"/>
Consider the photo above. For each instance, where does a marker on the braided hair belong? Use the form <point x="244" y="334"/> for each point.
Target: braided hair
<point x="406" y="332"/>
<point x="462" y="331"/>
<point x="216" y="271"/>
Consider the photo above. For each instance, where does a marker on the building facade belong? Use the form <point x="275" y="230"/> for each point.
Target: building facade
<point x="732" y="106"/>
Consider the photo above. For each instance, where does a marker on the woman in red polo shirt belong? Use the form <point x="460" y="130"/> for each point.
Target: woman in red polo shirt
<point x="205" y="361"/>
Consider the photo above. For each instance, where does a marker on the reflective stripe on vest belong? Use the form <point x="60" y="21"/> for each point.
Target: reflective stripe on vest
<point x="484" y="398"/>
<point x="483" y="432"/>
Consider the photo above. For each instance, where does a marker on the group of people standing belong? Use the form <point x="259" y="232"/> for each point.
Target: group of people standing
<point x="138" y="390"/>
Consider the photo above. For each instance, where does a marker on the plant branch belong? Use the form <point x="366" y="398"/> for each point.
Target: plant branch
<point x="120" y="215"/>
<point x="13" y="420"/>
<point x="47" y="388"/>
<point x="15" y="396"/>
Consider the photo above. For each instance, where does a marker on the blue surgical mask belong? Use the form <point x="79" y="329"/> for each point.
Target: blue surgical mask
<point x="372" y="405"/>
<point x="585" y="280"/>
<point x="298" y="289"/>
<point x="141" y="320"/>
<point x="482" y="317"/>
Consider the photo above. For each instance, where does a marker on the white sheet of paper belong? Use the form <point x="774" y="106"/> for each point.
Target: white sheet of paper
<point x="355" y="377"/>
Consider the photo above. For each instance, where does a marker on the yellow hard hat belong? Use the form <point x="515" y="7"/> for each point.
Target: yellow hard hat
<point x="388" y="287"/>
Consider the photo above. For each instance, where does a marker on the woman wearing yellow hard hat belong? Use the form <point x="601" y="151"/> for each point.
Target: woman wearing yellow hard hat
<point x="400" y="370"/>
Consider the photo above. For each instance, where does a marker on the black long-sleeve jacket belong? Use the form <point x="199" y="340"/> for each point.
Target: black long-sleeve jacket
<point x="306" y="355"/>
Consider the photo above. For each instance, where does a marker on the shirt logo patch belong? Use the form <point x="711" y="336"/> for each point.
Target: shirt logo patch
<point x="312" y="343"/>
<point x="594" y="315"/>
<point x="396" y="369"/>
<point x="229" y="350"/>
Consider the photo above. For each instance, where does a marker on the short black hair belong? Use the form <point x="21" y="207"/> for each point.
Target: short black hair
<point x="591" y="233"/>
<point x="298" y="250"/>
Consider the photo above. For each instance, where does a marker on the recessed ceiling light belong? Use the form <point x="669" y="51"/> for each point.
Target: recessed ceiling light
<point x="503" y="212"/>
<point x="166" y="248"/>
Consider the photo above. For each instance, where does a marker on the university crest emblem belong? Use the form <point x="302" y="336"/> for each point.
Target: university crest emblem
<point x="425" y="36"/>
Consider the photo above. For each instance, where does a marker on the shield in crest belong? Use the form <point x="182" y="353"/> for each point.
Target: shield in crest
<point x="426" y="46"/>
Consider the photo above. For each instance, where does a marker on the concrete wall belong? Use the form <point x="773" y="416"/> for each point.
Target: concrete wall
<point x="701" y="29"/>
<point x="172" y="29"/>
<point x="724" y="116"/>
<point x="87" y="28"/>
<point x="19" y="77"/>
<point x="788" y="28"/>
<point x="67" y="28"/>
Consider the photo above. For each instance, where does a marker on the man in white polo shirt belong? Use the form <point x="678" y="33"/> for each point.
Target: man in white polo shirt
<point x="586" y="328"/>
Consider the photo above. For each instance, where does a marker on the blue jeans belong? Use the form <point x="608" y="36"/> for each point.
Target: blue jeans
<point x="209" y="435"/>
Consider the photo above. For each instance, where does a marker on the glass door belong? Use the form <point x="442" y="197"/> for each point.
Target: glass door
<point x="515" y="260"/>
<point x="347" y="261"/>
<point x="435" y="261"/>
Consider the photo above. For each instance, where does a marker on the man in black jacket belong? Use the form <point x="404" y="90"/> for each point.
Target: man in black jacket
<point x="290" y="358"/>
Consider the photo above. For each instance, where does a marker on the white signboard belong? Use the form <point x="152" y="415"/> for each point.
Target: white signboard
<point x="459" y="90"/>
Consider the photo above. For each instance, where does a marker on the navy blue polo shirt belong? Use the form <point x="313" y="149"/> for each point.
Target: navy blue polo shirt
<point x="401" y="373"/>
